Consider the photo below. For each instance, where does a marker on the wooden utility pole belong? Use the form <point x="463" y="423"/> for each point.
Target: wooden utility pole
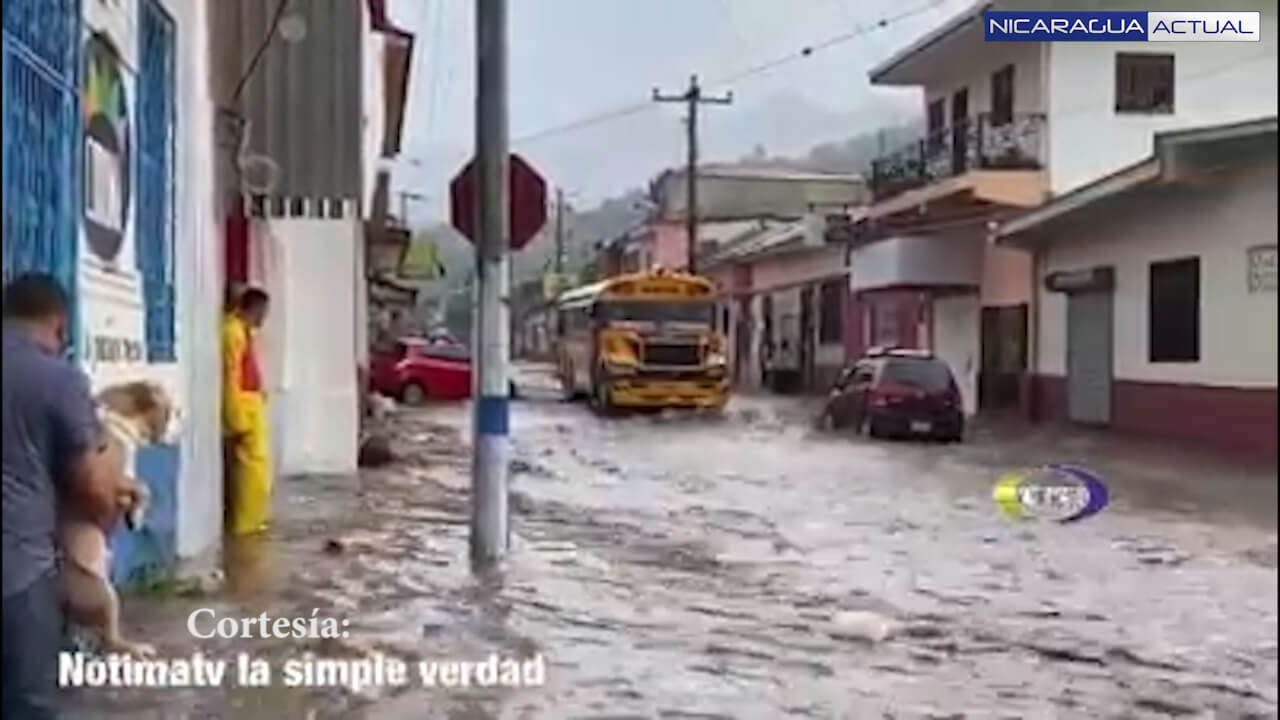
<point x="692" y="97"/>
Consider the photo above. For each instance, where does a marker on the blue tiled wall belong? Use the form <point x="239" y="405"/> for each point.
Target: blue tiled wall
<point x="151" y="551"/>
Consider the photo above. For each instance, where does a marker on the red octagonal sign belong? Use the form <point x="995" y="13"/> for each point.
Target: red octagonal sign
<point x="528" y="193"/>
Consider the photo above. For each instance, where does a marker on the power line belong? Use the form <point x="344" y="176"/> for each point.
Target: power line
<point x="840" y="39"/>
<point x="262" y="50"/>
<point x="803" y="53"/>
<point x="640" y="106"/>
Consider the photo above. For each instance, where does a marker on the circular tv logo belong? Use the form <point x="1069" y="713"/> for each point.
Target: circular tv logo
<point x="1059" y="493"/>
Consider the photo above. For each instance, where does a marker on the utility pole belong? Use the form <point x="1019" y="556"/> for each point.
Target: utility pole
<point x="692" y="97"/>
<point x="489" y="518"/>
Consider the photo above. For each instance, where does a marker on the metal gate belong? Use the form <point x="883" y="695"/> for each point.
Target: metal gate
<point x="155" y="223"/>
<point x="1089" y="357"/>
<point x="41" y="137"/>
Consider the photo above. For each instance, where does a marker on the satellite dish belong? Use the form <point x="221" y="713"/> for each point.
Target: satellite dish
<point x="292" y="28"/>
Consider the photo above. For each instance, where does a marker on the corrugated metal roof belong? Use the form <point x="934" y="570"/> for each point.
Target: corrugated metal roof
<point x="304" y="100"/>
<point x="727" y="231"/>
<point x="767" y="239"/>
<point x="747" y="172"/>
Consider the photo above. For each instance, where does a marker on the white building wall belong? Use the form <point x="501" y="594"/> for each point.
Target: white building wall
<point x="975" y="72"/>
<point x="1214" y="83"/>
<point x="199" y="274"/>
<point x="112" y="322"/>
<point x="918" y="260"/>
<point x="1237" y="328"/>
<point x="956" y="329"/>
<point x="373" y="114"/>
<point x="308" y="267"/>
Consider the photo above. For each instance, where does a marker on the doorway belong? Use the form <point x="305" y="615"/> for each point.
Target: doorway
<point x="1004" y="356"/>
<point x="959" y="131"/>
<point x="1089" y="357"/>
<point x="807" y="350"/>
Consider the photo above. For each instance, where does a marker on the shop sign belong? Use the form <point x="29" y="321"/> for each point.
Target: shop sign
<point x="1262" y="268"/>
<point x="1087" y="280"/>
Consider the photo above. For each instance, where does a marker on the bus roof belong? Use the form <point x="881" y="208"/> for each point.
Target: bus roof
<point x="587" y="294"/>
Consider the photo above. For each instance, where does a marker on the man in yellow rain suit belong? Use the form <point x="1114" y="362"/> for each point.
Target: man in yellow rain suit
<point x="244" y="416"/>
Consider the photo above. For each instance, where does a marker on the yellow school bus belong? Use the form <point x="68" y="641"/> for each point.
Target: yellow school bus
<point x="642" y="340"/>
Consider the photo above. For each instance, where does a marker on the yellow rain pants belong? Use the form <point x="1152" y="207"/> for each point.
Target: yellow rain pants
<point x="244" y="421"/>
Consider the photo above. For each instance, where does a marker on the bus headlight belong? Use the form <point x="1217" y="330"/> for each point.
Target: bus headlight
<point x="716" y="365"/>
<point x="613" y="369"/>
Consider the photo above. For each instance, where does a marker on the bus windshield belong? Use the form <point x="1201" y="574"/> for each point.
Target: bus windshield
<point x="656" y="311"/>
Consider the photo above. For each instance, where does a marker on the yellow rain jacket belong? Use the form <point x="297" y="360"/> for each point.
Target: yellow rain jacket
<point x="244" y="422"/>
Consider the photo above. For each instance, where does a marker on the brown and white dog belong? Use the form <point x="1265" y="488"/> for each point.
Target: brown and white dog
<point x="131" y="415"/>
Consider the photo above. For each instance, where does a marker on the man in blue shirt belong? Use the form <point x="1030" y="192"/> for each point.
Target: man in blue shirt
<point x="51" y="446"/>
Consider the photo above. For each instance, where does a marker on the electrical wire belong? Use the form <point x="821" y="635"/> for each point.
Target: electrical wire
<point x="870" y="108"/>
<point x="647" y="104"/>
<point x="803" y="53"/>
<point x="840" y="39"/>
<point x="262" y="50"/>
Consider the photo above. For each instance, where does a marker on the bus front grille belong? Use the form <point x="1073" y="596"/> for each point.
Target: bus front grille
<point x="672" y="355"/>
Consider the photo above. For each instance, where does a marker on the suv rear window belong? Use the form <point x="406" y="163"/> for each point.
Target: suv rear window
<point x="930" y="375"/>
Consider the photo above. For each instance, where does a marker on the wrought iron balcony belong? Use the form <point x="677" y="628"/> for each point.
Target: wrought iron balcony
<point x="979" y="143"/>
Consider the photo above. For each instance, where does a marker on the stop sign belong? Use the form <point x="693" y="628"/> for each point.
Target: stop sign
<point x="528" y="197"/>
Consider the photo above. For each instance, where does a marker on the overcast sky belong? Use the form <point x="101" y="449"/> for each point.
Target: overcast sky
<point x="571" y="59"/>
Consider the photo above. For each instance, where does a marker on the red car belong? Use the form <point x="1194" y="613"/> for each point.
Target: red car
<point x="415" y="369"/>
<point x="897" y="392"/>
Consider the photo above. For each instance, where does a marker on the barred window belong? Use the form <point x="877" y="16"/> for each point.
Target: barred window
<point x="1144" y="83"/>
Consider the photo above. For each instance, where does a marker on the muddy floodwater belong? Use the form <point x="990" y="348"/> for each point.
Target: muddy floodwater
<point x="747" y="567"/>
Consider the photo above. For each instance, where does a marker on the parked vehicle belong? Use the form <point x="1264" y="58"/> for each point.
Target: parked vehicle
<point x="414" y="369"/>
<point x="893" y="392"/>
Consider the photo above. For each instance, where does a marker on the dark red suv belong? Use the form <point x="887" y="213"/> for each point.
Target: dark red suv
<point x="897" y="393"/>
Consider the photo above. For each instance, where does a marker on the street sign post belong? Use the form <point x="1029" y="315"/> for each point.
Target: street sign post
<point x="528" y="201"/>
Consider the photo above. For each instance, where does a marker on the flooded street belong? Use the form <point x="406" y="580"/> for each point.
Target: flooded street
<point x="746" y="567"/>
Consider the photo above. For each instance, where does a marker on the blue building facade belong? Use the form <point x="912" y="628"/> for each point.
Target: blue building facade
<point x="89" y="134"/>
<point x="41" y="101"/>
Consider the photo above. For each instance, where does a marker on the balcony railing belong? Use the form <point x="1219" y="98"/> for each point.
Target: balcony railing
<point x="976" y="144"/>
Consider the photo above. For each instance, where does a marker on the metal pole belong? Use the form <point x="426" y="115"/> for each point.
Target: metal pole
<point x="489" y="519"/>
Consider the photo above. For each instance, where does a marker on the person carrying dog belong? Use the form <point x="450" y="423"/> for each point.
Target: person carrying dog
<point x="52" y="441"/>
<point x="244" y="416"/>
